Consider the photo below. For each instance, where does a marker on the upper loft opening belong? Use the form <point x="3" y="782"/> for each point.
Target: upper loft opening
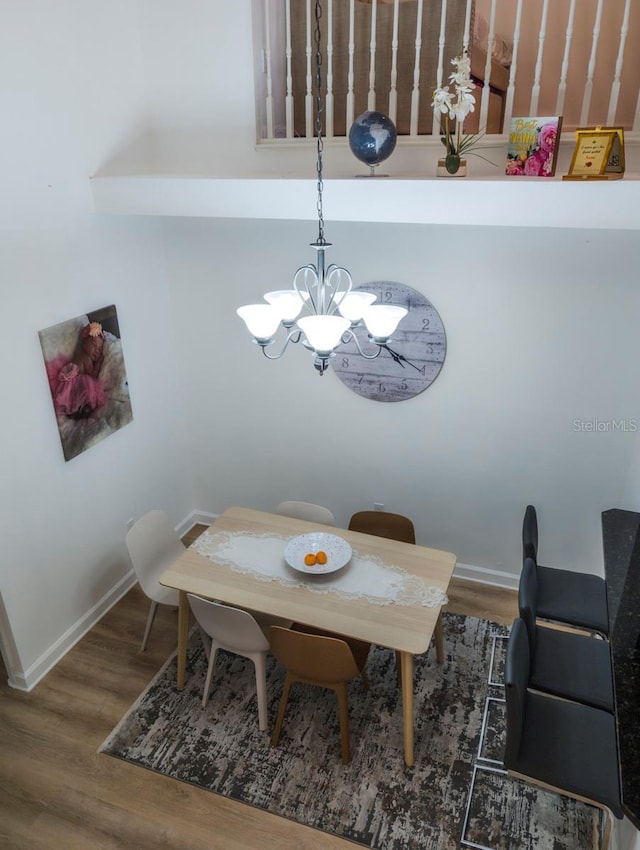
<point x="537" y="57"/>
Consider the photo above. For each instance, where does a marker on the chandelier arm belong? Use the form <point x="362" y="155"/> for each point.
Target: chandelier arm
<point x="349" y="335"/>
<point x="293" y="336"/>
<point x="311" y="269"/>
<point x="334" y="301"/>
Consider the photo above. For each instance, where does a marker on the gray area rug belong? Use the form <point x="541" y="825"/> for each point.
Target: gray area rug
<point x="374" y="801"/>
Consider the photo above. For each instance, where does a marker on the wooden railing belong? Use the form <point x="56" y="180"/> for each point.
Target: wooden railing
<point x="575" y="58"/>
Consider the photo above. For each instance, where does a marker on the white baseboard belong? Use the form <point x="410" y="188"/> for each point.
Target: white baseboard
<point x="484" y="575"/>
<point x="195" y="518"/>
<point x="27" y="680"/>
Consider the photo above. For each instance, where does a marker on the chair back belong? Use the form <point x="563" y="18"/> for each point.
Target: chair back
<point x="384" y="524"/>
<point x="153" y="545"/>
<point x="306" y="510"/>
<point x="516" y="679"/>
<point x="315" y="658"/>
<point x="530" y="534"/>
<point x="232" y="628"/>
<point x="527" y="601"/>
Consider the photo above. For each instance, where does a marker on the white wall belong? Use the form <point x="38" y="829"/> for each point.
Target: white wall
<point x="72" y="95"/>
<point x="540" y="330"/>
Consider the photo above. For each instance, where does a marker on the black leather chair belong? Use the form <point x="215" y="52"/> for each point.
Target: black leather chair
<point x="565" y="596"/>
<point x="567" y="664"/>
<point x="561" y="745"/>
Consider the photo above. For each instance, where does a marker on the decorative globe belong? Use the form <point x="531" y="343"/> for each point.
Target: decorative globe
<point x="372" y="137"/>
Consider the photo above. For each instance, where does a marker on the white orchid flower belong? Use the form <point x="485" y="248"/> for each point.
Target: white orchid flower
<point x="442" y="100"/>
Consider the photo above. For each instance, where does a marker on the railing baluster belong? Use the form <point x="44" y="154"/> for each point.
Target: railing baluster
<point x="288" y="102"/>
<point x="308" y="101"/>
<point x="352" y="47"/>
<point x="486" y="89"/>
<point x="371" y="99"/>
<point x="535" y="90"/>
<point x="615" y="88"/>
<point x="568" y="36"/>
<point x="511" y="87"/>
<point x="415" y="92"/>
<point x="588" y="89"/>
<point x="440" y="68"/>
<point x="329" y="98"/>
<point x="466" y="36"/>
<point x="267" y="62"/>
<point x="393" y="91"/>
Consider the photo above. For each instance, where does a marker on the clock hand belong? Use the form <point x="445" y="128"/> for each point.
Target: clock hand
<point x="400" y="358"/>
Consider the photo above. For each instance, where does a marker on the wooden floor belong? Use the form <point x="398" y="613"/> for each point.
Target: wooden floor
<point x="57" y="793"/>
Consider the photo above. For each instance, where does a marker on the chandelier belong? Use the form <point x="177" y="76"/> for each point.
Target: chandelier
<point x="321" y="310"/>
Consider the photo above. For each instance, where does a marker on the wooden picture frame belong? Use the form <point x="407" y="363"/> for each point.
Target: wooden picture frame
<point x="598" y="154"/>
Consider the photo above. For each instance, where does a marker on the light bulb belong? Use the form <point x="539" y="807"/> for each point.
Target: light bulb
<point x="262" y="320"/>
<point x="382" y="320"/>
<point x="323" y="332"/>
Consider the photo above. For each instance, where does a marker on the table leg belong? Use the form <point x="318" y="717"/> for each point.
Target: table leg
<point x="406" y="659"/>
<point x="183" y="636"/>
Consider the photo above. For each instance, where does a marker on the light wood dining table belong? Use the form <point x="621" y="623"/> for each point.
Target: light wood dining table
<point x="407" y="629"/>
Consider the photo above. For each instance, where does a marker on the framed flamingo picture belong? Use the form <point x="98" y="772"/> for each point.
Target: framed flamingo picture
<point x="87" y="378"/>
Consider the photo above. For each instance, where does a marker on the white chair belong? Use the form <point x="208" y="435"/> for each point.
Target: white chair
<point x="237" y="631"/>
<point x="306" y="510"/>
<point x="153" y="546"/>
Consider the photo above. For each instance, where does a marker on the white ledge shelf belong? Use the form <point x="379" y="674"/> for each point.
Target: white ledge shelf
<point x="491" y="201"/>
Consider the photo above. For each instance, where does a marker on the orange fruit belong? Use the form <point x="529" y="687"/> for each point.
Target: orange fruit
<point x="321" y="557"/>
<point x="310" y="559"/>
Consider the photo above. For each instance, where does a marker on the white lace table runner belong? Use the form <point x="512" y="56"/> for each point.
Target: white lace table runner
<point x="365" y="577"/>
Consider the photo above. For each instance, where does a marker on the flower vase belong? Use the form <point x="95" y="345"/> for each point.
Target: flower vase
<point x="452" y="166"/>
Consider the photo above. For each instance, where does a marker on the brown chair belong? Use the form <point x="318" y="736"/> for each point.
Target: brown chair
<point x="322" y="660"/>
<point x="394" y="527"/>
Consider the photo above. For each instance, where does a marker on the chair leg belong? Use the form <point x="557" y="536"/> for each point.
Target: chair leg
<point x="212" y="663"/>
<point x="281" y="710"/>
<point x="206" y="642"/>
<point x="261" y="689"/>
<point x="606" y="829"/>
<point x="439" y="639"/>
<point x="150" y="619"/>
<point x="343" y="711"/>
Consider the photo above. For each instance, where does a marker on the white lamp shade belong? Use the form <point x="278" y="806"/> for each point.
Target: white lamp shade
<point x="382" y="320"/>
<point x="354" y="304"/>
<point x="288" y="303"/>
<point x="262" y="320"/>
<point x="323" y="333"/>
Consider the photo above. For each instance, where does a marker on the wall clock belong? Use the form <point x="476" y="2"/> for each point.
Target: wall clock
<point x="414" y="357"/>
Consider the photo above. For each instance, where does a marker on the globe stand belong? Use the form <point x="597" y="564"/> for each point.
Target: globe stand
<point x="372" y="173"/>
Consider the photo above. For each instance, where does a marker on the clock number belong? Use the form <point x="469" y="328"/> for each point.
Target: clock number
<point x="383" y="389"/>
<point x="429" y="350"/>
<point x="360" y="378"/>
<point x="425" y="324"/>
<point x="345" y="362"/>
<point x="405" y="385"/>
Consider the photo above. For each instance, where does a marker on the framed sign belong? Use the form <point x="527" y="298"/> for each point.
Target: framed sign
<point x="598" y="154"/>
<point x="409" y="363"/>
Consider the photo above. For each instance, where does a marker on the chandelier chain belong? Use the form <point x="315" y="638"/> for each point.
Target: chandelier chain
<point x="319" y="113"/>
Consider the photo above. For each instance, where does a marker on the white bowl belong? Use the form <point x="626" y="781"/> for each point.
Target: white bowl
<point x="337" y="550"/>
